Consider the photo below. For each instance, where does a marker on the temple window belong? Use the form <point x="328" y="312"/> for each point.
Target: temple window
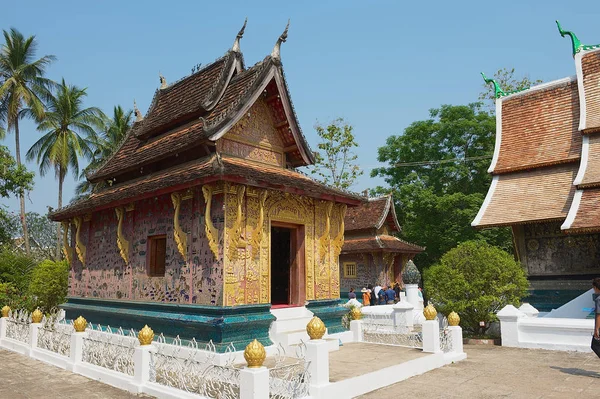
<point x="350" y="269"/>
<point x="157" y="248"/>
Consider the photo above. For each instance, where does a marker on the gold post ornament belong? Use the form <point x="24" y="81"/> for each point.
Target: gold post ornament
<point x="429" y="312"/>
<point x="355" y="314"/>
<point x="5" y="311"/>
<point x="453" y="319"/>
<point x="315" y="328"/>
<point x="255" y="354"/>
<point x="146" y="336"/>
<point x="80" y="324"/>
<point x="36" y="316"/>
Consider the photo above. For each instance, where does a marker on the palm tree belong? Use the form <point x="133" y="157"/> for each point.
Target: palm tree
<point x="62" y="145"/>
<point x="105" y="145"/>
<point x="22" y="86"/>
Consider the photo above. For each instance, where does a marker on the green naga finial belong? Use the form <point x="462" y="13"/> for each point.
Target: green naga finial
<point x="498" y="92"/>
<point x="574" y="40"/>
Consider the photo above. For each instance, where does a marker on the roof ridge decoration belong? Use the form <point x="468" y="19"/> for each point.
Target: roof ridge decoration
<point x="282" y="39"/>
<point x="236" y="43"/>
<point x="498" y="92"/>
<point x="163" y="81"/>
<point x="138" y="115"/>
<point x="575" y="42"/>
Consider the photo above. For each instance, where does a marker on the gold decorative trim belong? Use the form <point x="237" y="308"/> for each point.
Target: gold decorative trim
<point x="146" y="336"/>
<point x="80" y="324"/>
<point x="122" y="243"/>
<point x="67" y="250"/>
<point x="130" y="207"/>
<point x="338" y="241"/>
<point x="255" y="354"/>
<point x="366" y="259"/>
<point x="79" y="247"/>
<point x="388" y="260"/>
<point x="325" y="238"/>
<point x="257" y="234"/>
<point x="211" y="231"/>
<point x="235" y="232"/>
<point x="87" y="217"/>
<point x="180" y="235"/>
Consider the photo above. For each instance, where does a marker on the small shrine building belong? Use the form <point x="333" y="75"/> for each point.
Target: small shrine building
<point x="371" y="254"/>
<point x="200" y="222"/>
<point x="546" y="178"/>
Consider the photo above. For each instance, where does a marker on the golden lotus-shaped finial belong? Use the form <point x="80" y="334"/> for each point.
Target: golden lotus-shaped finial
<point x="5" y="310"/>
<point x="255" y="354"/>
<point x="315" y="328"/>
<point x="80" y="324"/>
<point x="429" y="312"/>
<point x="36" y="316"/>
<point x="453" y="319"/>
<point x="146" y="335"/>
<point x="355" y="314"/>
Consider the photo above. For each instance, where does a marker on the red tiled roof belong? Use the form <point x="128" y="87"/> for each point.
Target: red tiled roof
<point x="587" y="218"/>
<point x="384" y="243"/>
<point x="591" y="176"/>
<point x="198" y="171"/>
<point x="529" y="196"/>
<point x="590" y="66"/>
<point x="539" y="127"/>
<point x="372" y="214"/>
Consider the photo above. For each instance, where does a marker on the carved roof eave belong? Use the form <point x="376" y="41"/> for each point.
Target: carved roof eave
<point x="96" y="175"/>
<point x="389" y="206"/>
<point x="272" y="72"/>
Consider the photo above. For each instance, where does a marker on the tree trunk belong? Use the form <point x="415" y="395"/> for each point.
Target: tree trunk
<point x="61" y="178"/>
<point x="22" y="194"/>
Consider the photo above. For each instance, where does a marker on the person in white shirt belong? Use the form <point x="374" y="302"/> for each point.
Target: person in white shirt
<point x="376" y="291"/>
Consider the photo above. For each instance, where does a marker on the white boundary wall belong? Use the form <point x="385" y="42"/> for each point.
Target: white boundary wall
<point x="521" y="328"/>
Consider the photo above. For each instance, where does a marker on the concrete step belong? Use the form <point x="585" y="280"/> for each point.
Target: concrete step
<point x="290" y="338"/>
<point x="291" y="313"/>
<point x="294" y="324"/>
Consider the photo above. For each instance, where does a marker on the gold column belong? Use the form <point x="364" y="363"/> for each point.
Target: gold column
<point x="122" y="243"/>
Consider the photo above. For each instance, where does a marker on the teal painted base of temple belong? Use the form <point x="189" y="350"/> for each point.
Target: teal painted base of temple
<point x="223" y="325"/>
<point x="330" y="311"/>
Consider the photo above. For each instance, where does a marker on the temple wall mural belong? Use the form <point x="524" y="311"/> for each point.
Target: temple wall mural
<point x="197" y="278"/>
<point x="546" y="251"/>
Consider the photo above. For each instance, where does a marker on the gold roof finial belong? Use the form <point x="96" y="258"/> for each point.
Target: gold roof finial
<point x="275" y="53"/>
<point x="163" y="81"/>
<point x="138" y="115"/>
<point x="236" y="43"/>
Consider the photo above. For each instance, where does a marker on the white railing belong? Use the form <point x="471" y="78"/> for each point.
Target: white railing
<point x="110" y="349"/>
<point x="17" y="326"/>
<point x="54" y="336"/>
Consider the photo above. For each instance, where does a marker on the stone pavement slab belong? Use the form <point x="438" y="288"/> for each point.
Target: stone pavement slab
<point x="499" y="372"/>
<point x="24" y="378"/>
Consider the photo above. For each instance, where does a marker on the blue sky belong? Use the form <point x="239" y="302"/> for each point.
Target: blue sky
<point x="379" y="64"/>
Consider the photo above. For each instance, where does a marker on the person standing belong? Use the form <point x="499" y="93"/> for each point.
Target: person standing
<point x="596" y="297"/>
<point x="397" y="291"/>
<point x="390" y="295"/>
<point x="372" y="294"/>
<point x="351" y="294"/>
<point x="366" y="296"/>
<point x="376" y="291"/>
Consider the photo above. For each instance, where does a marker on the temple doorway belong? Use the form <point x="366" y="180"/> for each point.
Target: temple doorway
<point x="287" y="264"/>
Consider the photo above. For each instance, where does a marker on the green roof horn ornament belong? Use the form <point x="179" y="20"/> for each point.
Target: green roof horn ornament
<point x="498" y="92"/>
<point x="577" y="46"/>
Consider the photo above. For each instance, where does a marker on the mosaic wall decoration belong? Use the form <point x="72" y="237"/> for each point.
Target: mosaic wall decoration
<point x="546" y="250"/>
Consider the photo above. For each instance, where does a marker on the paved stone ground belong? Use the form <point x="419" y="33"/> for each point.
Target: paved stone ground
<point x="22" y="377"/>
<point x="498" y="372"/>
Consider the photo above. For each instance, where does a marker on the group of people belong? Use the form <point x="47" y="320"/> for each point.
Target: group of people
<point x="378" y="295"/>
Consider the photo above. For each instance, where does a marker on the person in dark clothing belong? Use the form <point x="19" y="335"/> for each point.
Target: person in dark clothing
<point x="383" y="295"/>
<point x="351" y="294"/>
<point x="373" y="298"/>
<point x="596" y="297"/>
<point x="390" y="296"/>
<point x="397" y="291"/>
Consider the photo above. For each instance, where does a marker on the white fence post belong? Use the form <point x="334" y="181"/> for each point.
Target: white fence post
<point x="456" y="338"/>
<point x="402" y="314"/>
<point x="3" y="323"/>
<point x="142" y="366"/>
<point x="33" y="336"/>
<point x="431" y="336"/>
<point x="254" y="383"/>
<point x="317" y="353"/>
<point x="356" y="329"/>
<point x="76" y="355"/>
<point x="509" y="325"/>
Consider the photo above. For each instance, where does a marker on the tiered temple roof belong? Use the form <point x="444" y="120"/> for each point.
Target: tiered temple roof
<point x="368" y="228"/>
<point x="546" y="164"/>
<point x="175" y="145"/>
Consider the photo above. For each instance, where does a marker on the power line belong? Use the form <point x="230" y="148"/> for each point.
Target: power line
<point x="426" y="163"/>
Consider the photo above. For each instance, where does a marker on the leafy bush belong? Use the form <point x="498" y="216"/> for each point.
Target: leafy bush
<point x="475" y="280"/>
<point x="15" y="268"/>
<point x="49" y="282"/>
<point x="11" y="296"/>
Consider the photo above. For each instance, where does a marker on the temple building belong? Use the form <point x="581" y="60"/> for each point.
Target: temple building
<point x="546" y="178"/>
<point x="200" y="224"/>
<point x="371" y="254"/>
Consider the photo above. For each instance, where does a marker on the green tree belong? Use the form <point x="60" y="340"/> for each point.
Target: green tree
<point x="22" y="87"/>
<point x="15" y="268"/>
<point x="49" y="283"/>
<point x="475" y="280"/>
<point x="335" y="163"/>
<point x="437" y="171"/>
<point x="105" y="144"/>
<point x="65" y="122"/>
<point x="14" y="179"/>
<point x="508" y="82"/>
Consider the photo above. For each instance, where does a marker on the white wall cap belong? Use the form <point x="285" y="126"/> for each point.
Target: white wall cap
<point x="403" y="305"/>
<point x="510" y="311"/>
<point x="529" y="310"/>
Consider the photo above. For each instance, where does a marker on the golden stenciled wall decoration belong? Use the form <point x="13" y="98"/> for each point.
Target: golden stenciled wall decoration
<point x="122" y="243"/>
<point x="79" y="247"/>
<point x="257" y="232"/>
<point x="235" y="231"/>
<point x="180" y="235"/>
<point x="67" y="250"/>
<point x="388" y="261"/>
<point x="325" y="239"/>
<point x="212" y="234"/>
<point x="338" y="241"/>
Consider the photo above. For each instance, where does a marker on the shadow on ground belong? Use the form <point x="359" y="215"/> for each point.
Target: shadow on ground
<point x="574" y="371"/>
